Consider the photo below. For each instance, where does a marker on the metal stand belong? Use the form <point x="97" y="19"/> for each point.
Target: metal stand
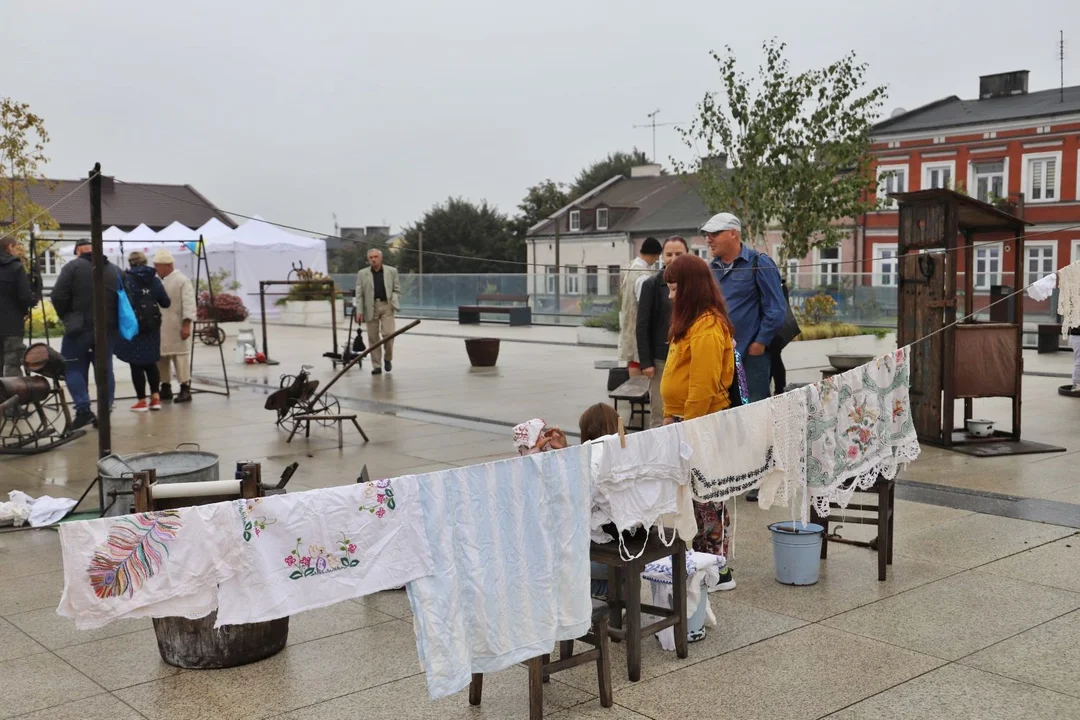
<point x="212" y="330"/>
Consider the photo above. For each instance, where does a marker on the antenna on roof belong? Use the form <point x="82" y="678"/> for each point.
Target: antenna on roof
<point x="653" y="124"/>
<point x="1061" y="61"/>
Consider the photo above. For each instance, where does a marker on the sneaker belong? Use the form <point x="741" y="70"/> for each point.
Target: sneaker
<point x="695" y="635"/>
<point x="82" y="419"/>
<point x="377" y="371"/>
<point x="727" y="582"/>
<point x="140" y="406"/>
<point x="389" y="366"/>
<point x="155" y="403"/>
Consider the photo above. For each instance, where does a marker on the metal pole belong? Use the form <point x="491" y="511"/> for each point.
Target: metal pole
<point x="421" y="261"/>
<point x="558" y="274"/>
<point x="101" y="324"/>
<point x="262" y="309"/>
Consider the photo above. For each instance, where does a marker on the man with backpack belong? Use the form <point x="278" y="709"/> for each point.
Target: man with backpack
<point x="73" y="300"/>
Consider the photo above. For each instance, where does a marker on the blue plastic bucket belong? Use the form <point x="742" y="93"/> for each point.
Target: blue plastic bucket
<point x="796" y="552"/>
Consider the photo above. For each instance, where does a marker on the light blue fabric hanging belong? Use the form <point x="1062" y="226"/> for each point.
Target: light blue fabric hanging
<point x="129" y="324"/>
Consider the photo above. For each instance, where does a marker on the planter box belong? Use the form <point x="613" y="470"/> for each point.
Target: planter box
<point x="815" y="353"/>
<point x="597" y="337"/>
<point x="483" y="352"/>
<point x="304" y="312"/>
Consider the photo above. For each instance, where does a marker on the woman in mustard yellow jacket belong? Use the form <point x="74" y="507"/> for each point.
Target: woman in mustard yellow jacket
<point x="700" y="364"/>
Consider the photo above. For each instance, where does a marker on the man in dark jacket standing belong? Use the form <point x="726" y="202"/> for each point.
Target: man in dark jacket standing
<point x="73" y="299"/>
<point x="15" y="301"/>
<point x="653" y="323"/>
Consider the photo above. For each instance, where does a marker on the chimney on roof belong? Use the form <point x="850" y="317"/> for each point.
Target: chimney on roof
<point x="1003" y="84"/>
<point x="641" y="171"/>
<point x="108" y="184"/>
<point x="716" y="162"/>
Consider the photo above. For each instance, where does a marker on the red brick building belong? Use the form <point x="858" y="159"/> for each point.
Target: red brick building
<point x="1008" y="145"/>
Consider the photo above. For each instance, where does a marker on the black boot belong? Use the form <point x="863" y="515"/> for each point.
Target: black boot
<point x="166" y="391"/>
<point x="184" y="396"/>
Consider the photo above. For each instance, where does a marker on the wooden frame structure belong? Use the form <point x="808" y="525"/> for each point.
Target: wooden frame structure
<point x="971" y="359"/>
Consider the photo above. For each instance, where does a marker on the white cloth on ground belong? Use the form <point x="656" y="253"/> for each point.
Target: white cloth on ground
<point x="312" y="549"/>
<point x="1043" y="288"/>
<point x="859" y="427"/>
<point x="783" y="483"/>
<point x="510" y="545"/>
<point x="155" y="564"/>
<point x="733" y="451"/>
<point x="639" y="485"/>
<point x="1069" y="297"/>
<point x="702" y="571"/>
<point x="44" y="510"/>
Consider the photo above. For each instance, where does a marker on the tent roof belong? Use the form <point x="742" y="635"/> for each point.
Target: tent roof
<point x="113" y="233"/>
<point x="178" y="232"/>
<point x="212" y="228"/>
<point x="142" y="232"/>
<point x="256" y="232"/>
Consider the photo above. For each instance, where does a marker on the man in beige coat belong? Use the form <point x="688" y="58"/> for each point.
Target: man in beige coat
<point x="378" y="297"/>
<point x="176" y="327"/>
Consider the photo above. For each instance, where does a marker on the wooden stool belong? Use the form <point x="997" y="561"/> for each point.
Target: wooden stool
<point x="541" y="668"/>
<point x="629" y="572"/>
<point x="884" y="513"/>
<point x="337" y="419"/>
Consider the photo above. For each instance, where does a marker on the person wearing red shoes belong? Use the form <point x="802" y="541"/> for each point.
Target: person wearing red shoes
<point x="142" y="352"/>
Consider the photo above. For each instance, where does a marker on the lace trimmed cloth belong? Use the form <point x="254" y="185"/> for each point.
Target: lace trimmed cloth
<point x="733" y="451"/>
<point x="789" y="415"/>
<point x="1069" y="297"/>
<point x="859" y="427"/>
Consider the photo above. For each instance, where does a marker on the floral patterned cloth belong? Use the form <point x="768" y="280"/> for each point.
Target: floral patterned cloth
<point x="859" y="427"/>
<point x="156" y="564"/>
<point x="311" y="549"/>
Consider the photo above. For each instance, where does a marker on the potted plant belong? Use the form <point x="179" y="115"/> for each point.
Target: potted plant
<point x="308" y="300"/>
<point x="483" y="352"/>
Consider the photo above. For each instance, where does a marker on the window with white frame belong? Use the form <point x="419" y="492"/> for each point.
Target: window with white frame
<point x="703" y="253"/>
<point x="575" y="220"/>
<point x="792" y="273"/>
<point x="592" y="280"/>
<point x="573" y="282"/>
<point x="891" y="179"/>
<point x="551" y="278"/>
<point x="828" y="266"/>
<point x="614" y="274"/>
<point x="1040" y="259"/>
<point x="937" y="176"/>
<point x="48" y="263"/>
<point x="1042" y="177"/>
<point x="987" y="266"/>
<point x="885" y="266"/>
<point x="988" y="180"/>
<point x="601" y="218"/>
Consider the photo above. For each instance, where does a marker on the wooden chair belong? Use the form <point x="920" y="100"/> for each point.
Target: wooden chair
<point x="624" y="576"/>
<point x="541" y="668"/>
<point x="884" y="515"/>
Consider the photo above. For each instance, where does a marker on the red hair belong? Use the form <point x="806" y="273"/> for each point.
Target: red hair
<point x="696" y="295"/>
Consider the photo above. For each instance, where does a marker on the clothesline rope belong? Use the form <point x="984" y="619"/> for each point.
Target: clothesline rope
<point x="45" y="211"/>
<point x="453" y="256"/>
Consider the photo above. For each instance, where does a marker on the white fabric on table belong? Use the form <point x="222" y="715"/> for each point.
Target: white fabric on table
<point x="312" y="549"/>
<point x="510" y="545"/>
<point x="156" y="564"/>
<point x="702" y="570"/>
<point x="733" y="451"/>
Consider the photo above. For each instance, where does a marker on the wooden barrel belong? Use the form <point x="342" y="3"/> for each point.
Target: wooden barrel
<point x="196" y="645"/>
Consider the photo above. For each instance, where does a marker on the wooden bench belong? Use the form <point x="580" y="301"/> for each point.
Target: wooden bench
<point x="338" y="419"/>
<point x="520" y="315"/>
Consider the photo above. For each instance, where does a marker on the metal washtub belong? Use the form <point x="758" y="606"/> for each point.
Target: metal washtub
<point x="176" y="466"/>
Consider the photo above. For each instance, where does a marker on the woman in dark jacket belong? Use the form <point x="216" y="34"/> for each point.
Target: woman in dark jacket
<point x="142" y="352"/>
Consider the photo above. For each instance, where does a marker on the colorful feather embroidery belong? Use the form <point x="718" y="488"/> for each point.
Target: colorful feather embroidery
<point x="132" y="552"/>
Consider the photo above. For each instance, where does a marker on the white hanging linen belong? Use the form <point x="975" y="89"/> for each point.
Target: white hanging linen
<point x="1043" y="288"/>
<point x="732" y="451"/>
<point x="789" y="415"/>
<point x="702" y="570"/>
<point x="1069" y="297"/>
<point x="510" y="546"/>
<point x="313" y="549"/>
<point x="859" y="426"/>
<point x="155" y="564"/>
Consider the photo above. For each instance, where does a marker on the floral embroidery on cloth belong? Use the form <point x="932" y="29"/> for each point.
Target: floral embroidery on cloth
<point x="326" y="546"/>
<point x="253" y="524"/>
<point x="859" y="427"/>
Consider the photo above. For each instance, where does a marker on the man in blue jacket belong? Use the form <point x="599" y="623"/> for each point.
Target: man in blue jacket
<point x="750" y="282"/>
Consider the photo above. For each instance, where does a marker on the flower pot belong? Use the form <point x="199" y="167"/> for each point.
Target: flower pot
<point x="483" y="352"/>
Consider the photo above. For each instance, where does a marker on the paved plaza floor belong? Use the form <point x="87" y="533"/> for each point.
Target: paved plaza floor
<point x="980" y="616"/>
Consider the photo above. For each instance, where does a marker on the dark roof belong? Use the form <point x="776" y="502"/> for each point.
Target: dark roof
<point x="952" y="111"/>
<point x="659" y="204"/>
<point x="972" y="214"/>
<point x="126" y="205"/>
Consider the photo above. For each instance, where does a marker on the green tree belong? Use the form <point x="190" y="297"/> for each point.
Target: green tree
<point x="616" y="163"/>
<point x="539" y="203"/>
<point x="22" y="156"/>
<point x="478" y="234"/>
<point x="798" y="145"/>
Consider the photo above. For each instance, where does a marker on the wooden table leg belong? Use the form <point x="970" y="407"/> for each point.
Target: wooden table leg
<point x="360" y="429"/>
<point x="615" y="598"/>
<point x="892" y="517"/>
<point x="882" y="530"/>
<point x="603" y="663"/>
<point x="476" y="688"/>
<point x="536" y="688"/>
<point x="678" y="590"/>
<point x="633" y="620"/>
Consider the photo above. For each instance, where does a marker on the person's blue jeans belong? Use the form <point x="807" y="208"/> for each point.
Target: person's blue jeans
<point x="78" y="350"/>
<point x="758" y="370"/>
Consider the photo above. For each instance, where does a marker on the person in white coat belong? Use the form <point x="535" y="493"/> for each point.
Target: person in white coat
<point x="177" y="322"/>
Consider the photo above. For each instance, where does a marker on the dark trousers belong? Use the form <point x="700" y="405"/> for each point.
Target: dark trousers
<point x="143" y="374"/>
<point x="758" y="370"/>
<point x="779" y="373"/>
<point x="78" y="350"/>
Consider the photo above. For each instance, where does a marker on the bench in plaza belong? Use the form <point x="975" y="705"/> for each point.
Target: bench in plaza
<point x="520" y="315"/>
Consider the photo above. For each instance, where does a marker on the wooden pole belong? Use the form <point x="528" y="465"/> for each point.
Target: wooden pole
<point x="101" y="324"/>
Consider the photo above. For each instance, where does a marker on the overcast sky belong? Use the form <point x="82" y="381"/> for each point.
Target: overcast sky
<point x="376" y="110"/>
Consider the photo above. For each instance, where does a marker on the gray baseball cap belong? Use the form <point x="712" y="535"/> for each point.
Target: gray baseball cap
<point x="721" y="222"/>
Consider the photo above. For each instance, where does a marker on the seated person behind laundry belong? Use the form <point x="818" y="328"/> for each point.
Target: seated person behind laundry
<point x="534" y="436"/>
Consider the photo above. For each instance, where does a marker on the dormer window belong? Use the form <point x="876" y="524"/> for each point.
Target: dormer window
<point x="601" y="218"/>
<point x="575" y="220"/>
